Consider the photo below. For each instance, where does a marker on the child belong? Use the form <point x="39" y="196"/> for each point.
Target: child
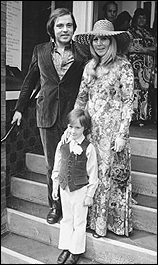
<point x="76" y="171"/>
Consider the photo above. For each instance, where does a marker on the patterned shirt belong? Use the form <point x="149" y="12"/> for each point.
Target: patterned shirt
<point x="63" y="61"/>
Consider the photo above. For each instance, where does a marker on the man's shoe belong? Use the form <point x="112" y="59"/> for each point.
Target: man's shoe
<point x="53" y="216"/>
<point x="73" y="258"/>
<point x="63" y="256"/>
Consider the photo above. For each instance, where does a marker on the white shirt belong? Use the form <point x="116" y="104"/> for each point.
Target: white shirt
<point x="91" y="165"/>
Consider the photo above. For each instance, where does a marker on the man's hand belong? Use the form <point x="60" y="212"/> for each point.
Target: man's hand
<point x="17" y="117"/>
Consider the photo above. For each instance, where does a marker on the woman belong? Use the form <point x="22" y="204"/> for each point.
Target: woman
<point x="106" y="91"/>
<point x="141" y="55"/>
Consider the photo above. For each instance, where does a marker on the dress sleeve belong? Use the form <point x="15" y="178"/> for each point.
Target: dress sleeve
<point x="127" y="97"/>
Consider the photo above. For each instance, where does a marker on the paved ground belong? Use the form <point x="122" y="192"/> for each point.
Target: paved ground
<point x="35" y="250"/>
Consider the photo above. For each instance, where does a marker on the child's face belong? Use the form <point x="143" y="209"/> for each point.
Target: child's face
<point x="75" y="129"/>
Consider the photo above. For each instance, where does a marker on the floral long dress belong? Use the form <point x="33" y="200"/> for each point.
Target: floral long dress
<point x="143" y="66"/>
<point x="109" y="101"/>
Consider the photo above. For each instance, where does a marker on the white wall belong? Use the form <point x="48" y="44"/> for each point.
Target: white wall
<point x="83" y="13"/>
<point x="129" y="6"/>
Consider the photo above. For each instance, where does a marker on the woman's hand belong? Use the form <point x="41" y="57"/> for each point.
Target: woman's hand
<point x="88" y="201"/>
<point x="65" y="136"/>
<point x="119" y="144"/>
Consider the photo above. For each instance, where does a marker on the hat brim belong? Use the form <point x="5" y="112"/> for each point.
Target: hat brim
<point x="123" y="38"/>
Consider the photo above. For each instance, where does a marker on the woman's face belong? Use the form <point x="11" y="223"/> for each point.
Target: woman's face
<point x="100" y="45"/>
<point x="141" y="20"/>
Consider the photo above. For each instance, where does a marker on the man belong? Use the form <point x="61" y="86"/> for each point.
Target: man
<point x="110" y="10"/>
<point x="58" y="65"/>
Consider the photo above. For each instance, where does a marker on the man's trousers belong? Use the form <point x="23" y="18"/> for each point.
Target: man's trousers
<point x="50" y="138"/>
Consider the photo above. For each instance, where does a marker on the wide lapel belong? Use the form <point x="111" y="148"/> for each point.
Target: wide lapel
<point x="47" y="61"/>
<point x="78" y="60"/>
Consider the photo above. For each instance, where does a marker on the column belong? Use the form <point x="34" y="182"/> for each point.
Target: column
<point x="83" y="13"/>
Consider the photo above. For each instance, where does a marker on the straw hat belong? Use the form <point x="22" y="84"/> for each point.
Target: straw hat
<point x="106" y="28"/>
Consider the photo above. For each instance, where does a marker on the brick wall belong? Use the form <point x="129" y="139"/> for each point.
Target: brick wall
<point x="23" y="139"/>
<point x="3" y="117"/>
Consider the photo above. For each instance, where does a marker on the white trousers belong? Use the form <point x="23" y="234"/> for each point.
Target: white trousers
<point x="72" y="234"/>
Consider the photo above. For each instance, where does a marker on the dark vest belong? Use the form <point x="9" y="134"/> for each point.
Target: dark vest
<point x="73" y="167"/>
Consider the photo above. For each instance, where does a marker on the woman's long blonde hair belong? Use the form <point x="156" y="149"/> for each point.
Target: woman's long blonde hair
<point x="108" y="58"/>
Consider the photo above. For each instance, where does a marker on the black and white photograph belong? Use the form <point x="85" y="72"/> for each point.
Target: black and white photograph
<point x="78" y="132"/>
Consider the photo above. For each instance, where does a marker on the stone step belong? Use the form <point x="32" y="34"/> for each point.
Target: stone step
<point x="144" y="218"/>
<point x="36" y="163"/>
<point x="143" y="147"/>
<point x="140" y="146"/>
<point x="17" y="249"/>
<point x="9" y="256"/>
<point x="139" y="248"/>
<point x="32" y="186"/>
<point x="149" y="131"/>
<point x="144" y="200"/>
<point x="142" y="183"/>
<point x="144" y="164"/>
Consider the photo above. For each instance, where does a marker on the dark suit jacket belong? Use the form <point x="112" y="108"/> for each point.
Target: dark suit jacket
<point x="56" y="97"/>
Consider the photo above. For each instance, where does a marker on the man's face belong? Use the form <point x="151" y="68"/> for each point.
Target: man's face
<point x="111" y="12"/>
<point x="63" y="29"/>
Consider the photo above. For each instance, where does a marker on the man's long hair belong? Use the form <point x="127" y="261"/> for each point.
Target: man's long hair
<point x="59" y="12"/>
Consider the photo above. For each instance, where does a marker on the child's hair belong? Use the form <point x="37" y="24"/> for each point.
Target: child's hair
<point x="83" y="116"/>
